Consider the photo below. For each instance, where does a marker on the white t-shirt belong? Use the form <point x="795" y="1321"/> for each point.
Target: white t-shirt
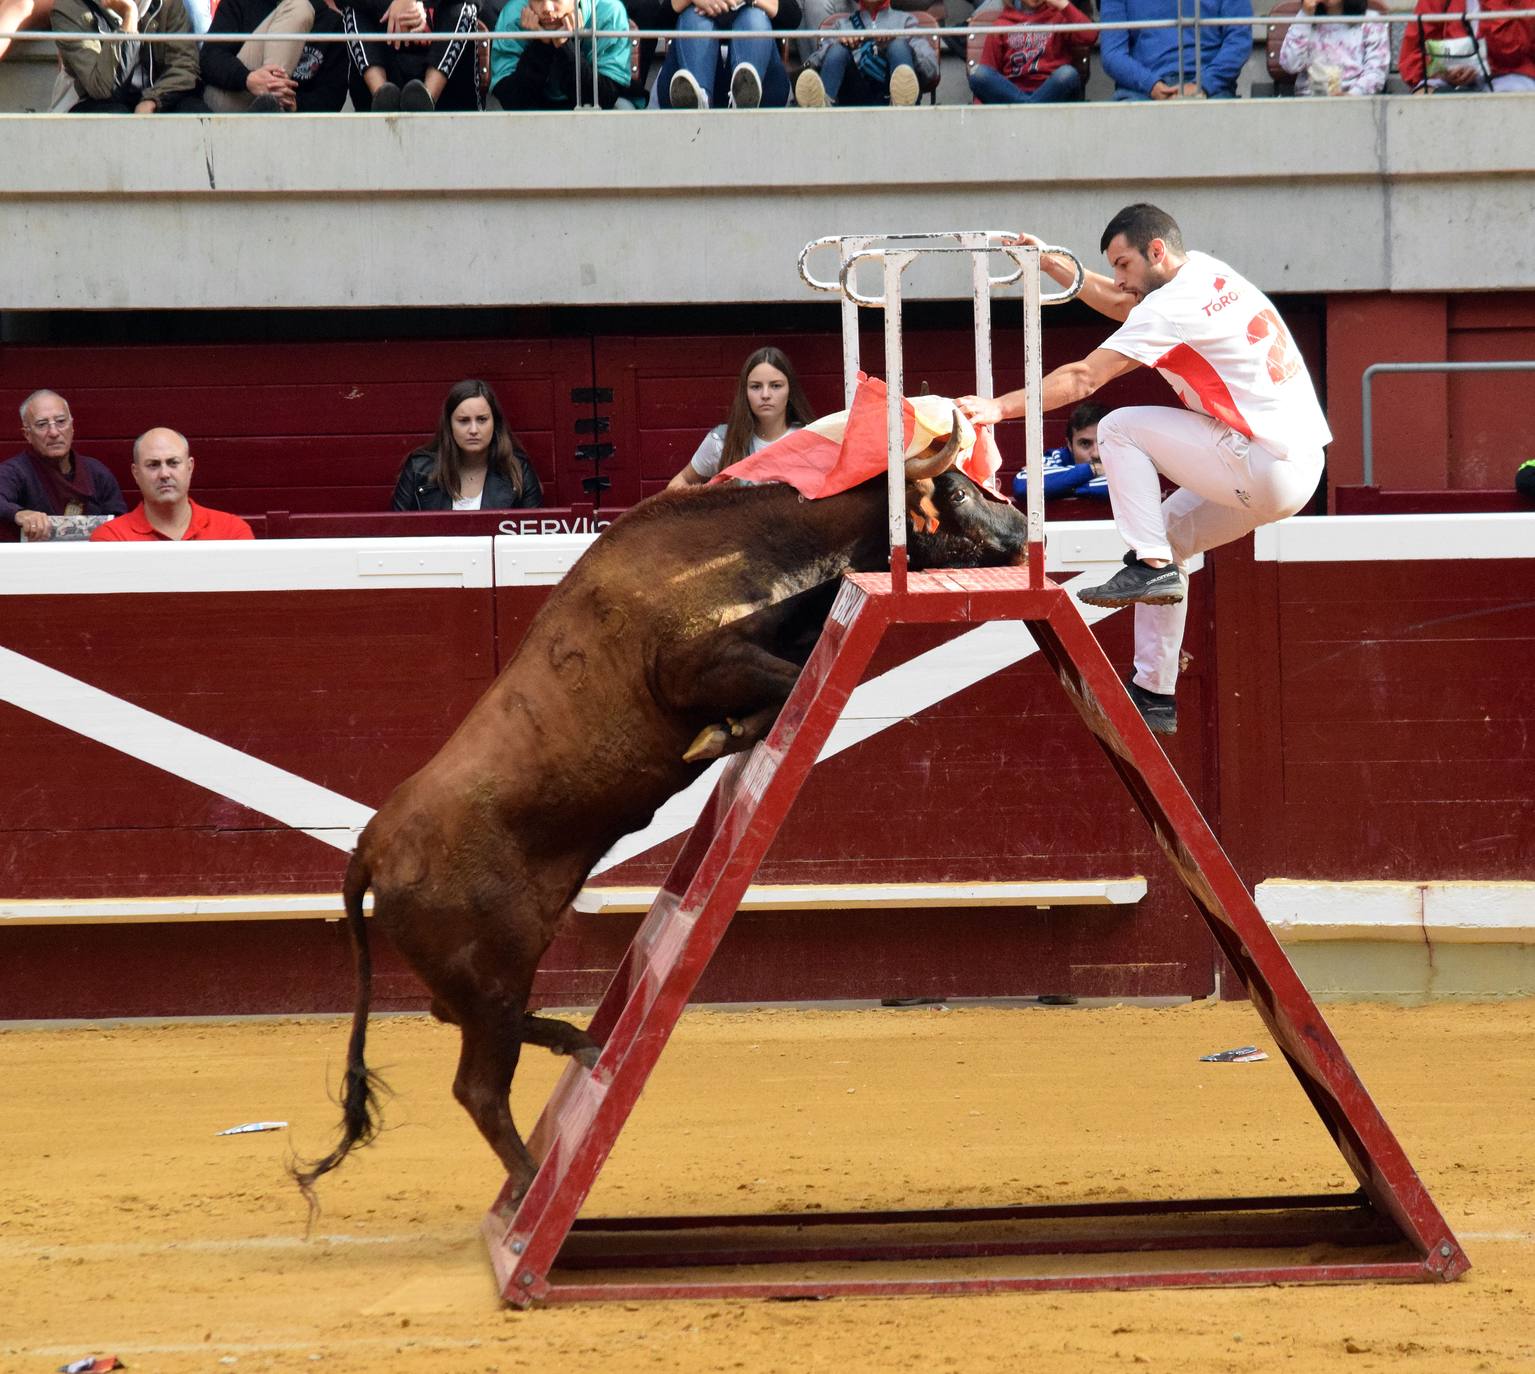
<point x="1222" y="347"/>
<point x="706" y="462"/>
<point x="470" y="502"/>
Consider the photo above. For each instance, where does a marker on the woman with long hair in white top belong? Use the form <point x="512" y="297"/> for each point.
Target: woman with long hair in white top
<point x="768" y="403"/>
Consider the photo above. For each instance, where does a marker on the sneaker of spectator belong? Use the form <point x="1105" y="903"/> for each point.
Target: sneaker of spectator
<point x="415" y="98"/>
<point x="1145" y="64"/>
<point x="869" y="58"/>
<point x="745" y="87"/>
<point x="380" y="58"/>
<point x="1020" y="65"/>
<point x="49" y="478"/>
<point x="684" y="92"/>
<point x="263" y="76"/>
<point x="1448" y="54"/>
<point x="129" y="77"/>
<point x="724" y="56"/>
<point x="553" y="73"/>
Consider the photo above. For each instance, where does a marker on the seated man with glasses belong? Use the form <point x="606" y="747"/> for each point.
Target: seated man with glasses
<point x="50" y="478"/>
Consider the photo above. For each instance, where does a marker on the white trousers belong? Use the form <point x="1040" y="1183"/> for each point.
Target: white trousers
<point x="1227" y="484"/>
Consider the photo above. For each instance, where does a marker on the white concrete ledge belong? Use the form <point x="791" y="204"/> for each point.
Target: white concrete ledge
<point x="594" y="900"/>
<point x="1319" y="196"/>
<point x="289" y="565"/>
<point x="1421" y="913"/>
<point x="1396" y="538"/>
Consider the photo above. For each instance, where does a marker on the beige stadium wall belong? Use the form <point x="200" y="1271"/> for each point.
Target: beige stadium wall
<point x="1393" y="194"/>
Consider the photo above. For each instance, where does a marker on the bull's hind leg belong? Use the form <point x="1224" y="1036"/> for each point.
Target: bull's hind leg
<point x="487" y="1060"/>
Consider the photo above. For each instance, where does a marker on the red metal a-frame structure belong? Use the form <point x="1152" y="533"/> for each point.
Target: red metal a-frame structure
<point x="1388" y="1229"/>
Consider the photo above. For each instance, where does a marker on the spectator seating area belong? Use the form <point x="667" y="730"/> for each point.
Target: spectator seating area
<point x="28" y="73"/>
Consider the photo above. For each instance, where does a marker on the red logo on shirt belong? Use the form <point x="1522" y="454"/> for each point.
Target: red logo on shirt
<point x="1221" y="301"/>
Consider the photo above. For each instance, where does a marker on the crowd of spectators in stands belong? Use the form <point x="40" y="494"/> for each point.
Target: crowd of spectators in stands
<point x="725" y="54"/>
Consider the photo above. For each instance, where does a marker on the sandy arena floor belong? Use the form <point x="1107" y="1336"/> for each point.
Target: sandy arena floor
<point x="129" y="1228"/>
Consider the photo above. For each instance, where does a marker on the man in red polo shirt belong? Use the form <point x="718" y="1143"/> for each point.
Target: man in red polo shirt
<point x="162" y="466"/>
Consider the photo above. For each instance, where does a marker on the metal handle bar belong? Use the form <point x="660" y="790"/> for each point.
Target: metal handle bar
<point x="1066" y="293"/>
<point x="845" y="285"/>
<point x="849" y="271"/>
<point x="864" y="240"/>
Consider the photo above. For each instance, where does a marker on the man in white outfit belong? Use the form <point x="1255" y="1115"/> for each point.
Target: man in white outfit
<point x="1247" y="450"/>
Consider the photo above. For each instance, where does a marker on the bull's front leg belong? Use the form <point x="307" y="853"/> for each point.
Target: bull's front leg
<point x="739" y="687"/>
<point x="731" y="736"/>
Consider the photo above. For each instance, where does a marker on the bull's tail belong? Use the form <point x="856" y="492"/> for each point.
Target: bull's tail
<point x="361" y="1087"/>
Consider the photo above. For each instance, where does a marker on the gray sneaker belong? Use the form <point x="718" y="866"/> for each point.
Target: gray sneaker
<point x="685" y="93"/>
<point x="1158" y="709"/>
<point x="745" y="87"/>
<point x="1140" y="584"/>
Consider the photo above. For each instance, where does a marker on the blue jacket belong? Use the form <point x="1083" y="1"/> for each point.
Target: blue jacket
<point x="1138" y="58"/>
<point x="612" y="53"/>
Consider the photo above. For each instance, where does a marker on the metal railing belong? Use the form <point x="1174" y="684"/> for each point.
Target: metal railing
<point x="1367" y="412"/>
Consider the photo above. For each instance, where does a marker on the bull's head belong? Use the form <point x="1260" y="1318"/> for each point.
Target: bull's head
<point x="954" y="524"/>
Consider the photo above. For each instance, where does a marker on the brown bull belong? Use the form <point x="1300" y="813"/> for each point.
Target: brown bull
<point x="675" y="639"/>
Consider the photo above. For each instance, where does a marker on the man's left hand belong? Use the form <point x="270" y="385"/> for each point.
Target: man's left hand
<point x="980" y="410"/>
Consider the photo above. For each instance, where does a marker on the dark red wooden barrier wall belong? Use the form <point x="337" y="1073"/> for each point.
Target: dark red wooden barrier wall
<point x="305" y="426"/>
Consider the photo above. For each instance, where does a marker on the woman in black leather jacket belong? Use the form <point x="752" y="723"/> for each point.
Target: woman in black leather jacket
<point x="474" y="463"/>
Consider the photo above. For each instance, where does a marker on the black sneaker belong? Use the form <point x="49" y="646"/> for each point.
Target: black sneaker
<point x="1158" y="709"/>
<point x="386" y="99"/>
<point x="416" y="99"/>
<point x="1138" y="583"/>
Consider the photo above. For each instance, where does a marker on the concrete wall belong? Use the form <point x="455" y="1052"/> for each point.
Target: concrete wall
<point x="1399" y="193"/>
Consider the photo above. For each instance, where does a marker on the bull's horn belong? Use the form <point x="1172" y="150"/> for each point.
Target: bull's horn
<point x="927" y="465"/>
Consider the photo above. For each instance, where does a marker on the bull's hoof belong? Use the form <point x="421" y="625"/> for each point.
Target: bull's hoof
<point x="710" y="742"/>
<point x="586" y="1056"/>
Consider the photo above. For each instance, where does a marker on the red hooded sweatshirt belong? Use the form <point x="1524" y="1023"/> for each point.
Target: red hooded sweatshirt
<point x="1025" y="51"/>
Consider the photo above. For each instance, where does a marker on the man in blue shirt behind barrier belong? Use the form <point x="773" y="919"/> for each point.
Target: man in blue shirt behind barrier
<point x="1145" y="64"/>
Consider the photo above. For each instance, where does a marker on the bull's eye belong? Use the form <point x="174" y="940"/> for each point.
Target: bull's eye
<point x="960" y="497"/>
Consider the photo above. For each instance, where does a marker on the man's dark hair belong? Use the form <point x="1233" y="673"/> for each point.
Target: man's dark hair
<point x="1140" y="224"/>
<point x="1084" y="415"/>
